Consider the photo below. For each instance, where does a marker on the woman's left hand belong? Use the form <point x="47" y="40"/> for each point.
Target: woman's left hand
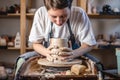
<point x="67" y="56"/>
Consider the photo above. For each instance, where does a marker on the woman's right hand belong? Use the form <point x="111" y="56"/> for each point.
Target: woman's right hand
<point x="49" y="58"/>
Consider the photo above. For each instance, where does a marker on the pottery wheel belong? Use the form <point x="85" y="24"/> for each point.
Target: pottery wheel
<point x="45" y="62"/>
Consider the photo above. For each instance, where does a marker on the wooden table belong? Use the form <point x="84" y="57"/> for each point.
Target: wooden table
<point x="90" y="77"/>
<point x="31" y="65"/>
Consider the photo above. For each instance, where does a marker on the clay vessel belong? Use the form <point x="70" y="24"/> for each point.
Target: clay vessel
<point x="59" y="42"/>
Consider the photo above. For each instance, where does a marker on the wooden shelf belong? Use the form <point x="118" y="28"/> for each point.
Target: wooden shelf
<point x="16" y="15"/>
<point x="98" y="16"/>
<point x="30" y="14"/>
<point x="13" y="14"/>
<point x="9" y="15"/>
<point x="13" y="48"/>
<point x="28" y="48"/>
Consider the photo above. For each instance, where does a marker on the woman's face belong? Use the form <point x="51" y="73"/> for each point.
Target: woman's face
<point x="59" y="16"/>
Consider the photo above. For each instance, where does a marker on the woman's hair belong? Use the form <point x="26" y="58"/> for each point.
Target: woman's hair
<point x="58" y="4"/>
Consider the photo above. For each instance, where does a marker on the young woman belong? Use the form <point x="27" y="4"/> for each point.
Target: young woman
<point x="62" y="20"/>
<point x="58" y="19"/>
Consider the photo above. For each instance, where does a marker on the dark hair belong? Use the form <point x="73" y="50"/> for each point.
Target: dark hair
<point x="58" y="4"/>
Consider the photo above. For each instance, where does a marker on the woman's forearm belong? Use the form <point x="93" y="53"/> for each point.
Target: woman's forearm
<point x="82" y="50"/>
<point x="41" y="49"/>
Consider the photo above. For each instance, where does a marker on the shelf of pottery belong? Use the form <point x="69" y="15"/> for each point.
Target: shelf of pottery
<point x="105" y="10"/>
<point x="102" y="7"/>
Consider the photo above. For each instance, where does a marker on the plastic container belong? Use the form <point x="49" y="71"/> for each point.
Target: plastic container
<point x="17" y="40"/>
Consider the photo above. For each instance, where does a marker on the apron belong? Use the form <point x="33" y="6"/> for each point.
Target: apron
<point x="72" y="37"/>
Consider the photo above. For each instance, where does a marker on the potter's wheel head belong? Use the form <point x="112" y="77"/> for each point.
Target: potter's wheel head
<point x="45" y="62"/>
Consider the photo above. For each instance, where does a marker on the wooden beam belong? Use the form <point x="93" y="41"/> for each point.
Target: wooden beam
<point x="82" y="4"/>
<point x="23" y="26"/>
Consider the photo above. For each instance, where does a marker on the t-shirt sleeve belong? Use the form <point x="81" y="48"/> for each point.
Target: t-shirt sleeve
<point x="85" y="32"/>
<point x="36" y="33"/>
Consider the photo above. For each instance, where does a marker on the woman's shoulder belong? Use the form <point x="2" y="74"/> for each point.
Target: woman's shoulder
<point x="78" y="15"/>
<point x="77" y="12"/>
<point x="77" y="9"/>
<point x="41" y="13"/>
<point x="42" y="9"/>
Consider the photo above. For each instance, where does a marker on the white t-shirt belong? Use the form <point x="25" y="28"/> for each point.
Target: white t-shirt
<point x="79" y="21"/>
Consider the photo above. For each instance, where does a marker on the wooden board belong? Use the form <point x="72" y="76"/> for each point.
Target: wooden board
<point x="45" y="62"/>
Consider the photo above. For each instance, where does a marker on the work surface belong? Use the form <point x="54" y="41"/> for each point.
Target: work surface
<point x="31" y="70"/>
<point x="90" y="77"/>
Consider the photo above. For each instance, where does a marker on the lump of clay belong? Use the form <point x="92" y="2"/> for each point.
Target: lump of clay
<point x="78" y="69"/>
<point x="59" y="47"/>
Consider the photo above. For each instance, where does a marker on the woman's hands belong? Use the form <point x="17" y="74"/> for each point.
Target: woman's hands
<point x="58" y="53"/>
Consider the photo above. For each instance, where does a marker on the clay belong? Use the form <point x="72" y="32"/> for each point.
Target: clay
<point x="59" y="47"/>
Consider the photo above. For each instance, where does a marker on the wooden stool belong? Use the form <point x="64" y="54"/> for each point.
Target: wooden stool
<point x="3" y="74"/>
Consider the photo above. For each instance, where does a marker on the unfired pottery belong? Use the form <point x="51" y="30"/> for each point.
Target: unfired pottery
<point x="59" y="42"/>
